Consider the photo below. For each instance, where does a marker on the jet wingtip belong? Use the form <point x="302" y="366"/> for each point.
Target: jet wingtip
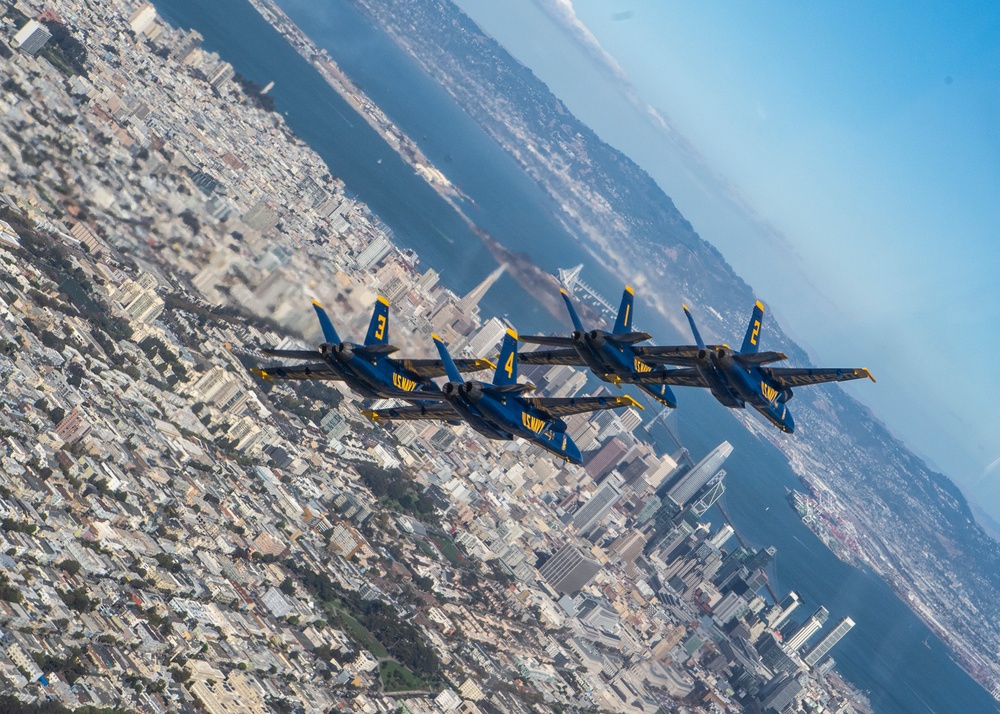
<point x="261" y="373"/>
<point x="870" y="375"/>
<point x="632" y="402"/>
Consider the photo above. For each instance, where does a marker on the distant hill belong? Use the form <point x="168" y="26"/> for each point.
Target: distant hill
<point x="920" y="533"/>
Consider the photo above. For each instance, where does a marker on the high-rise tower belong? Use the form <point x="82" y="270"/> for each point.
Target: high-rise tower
<point x="812" y="626"/>
<point x="470" y="303"/>
<point x="827" y="643"/>
<point x="780" y="612"/>
<point x="569" y="569"/>
<point x="701" y="474"/>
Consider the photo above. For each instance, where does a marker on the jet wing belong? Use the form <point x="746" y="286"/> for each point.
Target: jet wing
<point x="682" y="356"/>
<point x="317" y="370"/>
<point x="629" y="338"/>
<point x="430" y="368"/>
<point x="565" y="406"/>
<point x="760" y="357"/>
<point x="688" y="377"/>
<point x="546" y="340"/>
<point x="570" y="357"/>
<point x="441" y="412"/>
<point x="290" y="354"/>
<point x="783" y="377"/>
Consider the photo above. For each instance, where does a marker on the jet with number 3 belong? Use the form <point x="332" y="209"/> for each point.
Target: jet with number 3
<point x="367" y="369"/>
<point x="500" y="410"/>
<point x="612" y="356"/>
<point x="738" y="379"/>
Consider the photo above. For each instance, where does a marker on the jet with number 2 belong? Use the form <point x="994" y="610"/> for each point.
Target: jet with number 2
<point x="741" y="378"/>
<point x="500" y="410"/>
<point x="367" y="369"/>
<point x="611" y="356"/>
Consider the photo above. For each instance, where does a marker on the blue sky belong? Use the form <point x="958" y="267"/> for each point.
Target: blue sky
<point x="844" y="157"/>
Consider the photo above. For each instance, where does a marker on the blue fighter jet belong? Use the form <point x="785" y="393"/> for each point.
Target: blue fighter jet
<point x="500" y="410"/>
<point x="367" y="369"/>
<point x="741" y="378"/>
<point x="611" y="356"/>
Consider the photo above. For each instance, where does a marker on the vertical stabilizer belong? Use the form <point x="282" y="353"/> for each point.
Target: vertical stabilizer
<point x="694" y="329"/>
<point x="507" y="361"/>
<point x="751" y="342"/>
<point x="623" y="325"/>
<point x="329" y="334"/>
<point x="449" y="364"/>
<point x="577" y="324"/>
<point x="378" y="328"/>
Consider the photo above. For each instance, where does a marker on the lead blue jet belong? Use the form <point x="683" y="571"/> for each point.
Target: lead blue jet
<point x="367" y="369"/>
<point x="738" y="379"/>
<point x="611" y="356"/>
<point x="500" y="410"/>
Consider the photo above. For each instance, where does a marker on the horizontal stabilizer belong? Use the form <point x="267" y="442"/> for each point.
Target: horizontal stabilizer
<point x="375" y="350"/>
<point x="629" y="338"/>
<point x="318" y="371"/>
<point x="508" y="389"/>
<point x="546" y="340"/>
<point x="290" y="354"/>
<point x="681" y="356"/>
<point x="760" y="357"/>
<point x="686" y="377"/>
<point x="568" y="357"/>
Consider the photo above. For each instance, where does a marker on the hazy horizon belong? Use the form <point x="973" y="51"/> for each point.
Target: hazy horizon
<point x="835" y="158"/>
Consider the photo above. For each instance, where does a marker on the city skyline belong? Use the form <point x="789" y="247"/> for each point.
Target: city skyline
<point x="194" y="482"/>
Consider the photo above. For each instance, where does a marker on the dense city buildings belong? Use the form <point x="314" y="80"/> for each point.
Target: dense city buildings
<point x="180" y="535"/>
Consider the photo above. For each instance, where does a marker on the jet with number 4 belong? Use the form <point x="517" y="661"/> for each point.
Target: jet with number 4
<point x="500" y="410"/>
<point x="612" y="356"/>
<point x="738" y="379"/>
<point x="367" y="369"/>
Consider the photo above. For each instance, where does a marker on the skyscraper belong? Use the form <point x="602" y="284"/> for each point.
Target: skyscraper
<point x="32" y="37"/>
<point x="470" y="303"/>
<point x="188" y="44"/>
<point x="780" y="612"/>
<point x="142" y="18"/>
<point x="701" y="474"/>
<point x="373" y="253"/>
<point x="603" y="461"/>
<point x="810" y="628"/>
<point x="828" y="642"/>
<point x="569" y="569"/>
<point x="599" y="505"/>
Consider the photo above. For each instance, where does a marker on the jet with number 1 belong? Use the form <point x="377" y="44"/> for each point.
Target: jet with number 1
<point x="367" y="369"/>
<point x="500" y="410"/>
<point x="611" y="356"/>
<point x="738" y="379"/>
